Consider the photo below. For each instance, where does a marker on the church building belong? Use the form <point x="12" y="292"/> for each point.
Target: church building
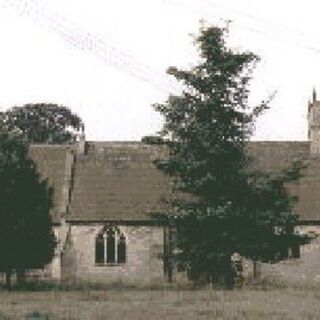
<point x="109" y="197"/>
<point x="107" y="200"/>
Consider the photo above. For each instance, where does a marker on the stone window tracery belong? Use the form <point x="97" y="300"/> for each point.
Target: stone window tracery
<point x="110" y="246"/>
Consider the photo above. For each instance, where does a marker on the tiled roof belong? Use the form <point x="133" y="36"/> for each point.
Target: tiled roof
<point x="50" y="162"/>
<point x="118" y="180"/>
<point x="273" y="157"/>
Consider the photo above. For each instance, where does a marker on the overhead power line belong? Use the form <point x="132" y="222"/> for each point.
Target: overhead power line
<point x="100" y="46"/>
<point x="275" y="24"/>
<point x="205" y="12"/>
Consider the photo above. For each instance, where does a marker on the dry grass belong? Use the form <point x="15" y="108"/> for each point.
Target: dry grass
<point x="289" y="290"/>
<point x="249" y="303"/>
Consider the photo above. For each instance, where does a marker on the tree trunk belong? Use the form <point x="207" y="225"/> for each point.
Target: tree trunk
<point x="256" y="269"/>
<point x="21" y="276"/>
<point x="168" y="259"/>
<point x="8" y="279"/>
<point x="296" y="251"/>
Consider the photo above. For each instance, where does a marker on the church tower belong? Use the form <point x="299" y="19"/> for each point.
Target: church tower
<point x="314" y="124"/>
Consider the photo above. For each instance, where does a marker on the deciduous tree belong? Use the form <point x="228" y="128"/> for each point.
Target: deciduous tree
<point x="42" y="123"/>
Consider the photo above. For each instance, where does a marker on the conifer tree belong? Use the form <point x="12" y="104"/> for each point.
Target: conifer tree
<point x="26" y="236"/>
<point x="206" y="129"/>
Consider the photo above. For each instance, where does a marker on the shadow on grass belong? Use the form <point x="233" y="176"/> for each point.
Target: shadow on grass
<point x="3" y="316"/>
<point x="34" y="286"/>
<point x="36" y="315"/>
<point x="57" y="286"/>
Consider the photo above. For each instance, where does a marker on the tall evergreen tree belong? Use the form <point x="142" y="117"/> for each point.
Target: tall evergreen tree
<point x="26" y="236"/>
<point x="206" y="128"/>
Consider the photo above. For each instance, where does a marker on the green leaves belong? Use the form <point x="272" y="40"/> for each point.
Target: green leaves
<point x="42" y="123"/>
<point x="26" y="237"/>
<point x="227" y="209"/>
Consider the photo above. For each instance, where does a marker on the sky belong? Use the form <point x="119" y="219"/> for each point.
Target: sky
<point x="106" y="60"/>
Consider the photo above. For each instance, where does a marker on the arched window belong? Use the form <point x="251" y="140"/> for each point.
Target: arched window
<point x="100" y="248"/>
<point x="122" y="249"/>
<point x="110" y="246"/>
<point x="111" y="241"/>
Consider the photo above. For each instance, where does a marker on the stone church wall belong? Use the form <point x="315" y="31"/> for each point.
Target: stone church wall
<point x="144" y="260"/>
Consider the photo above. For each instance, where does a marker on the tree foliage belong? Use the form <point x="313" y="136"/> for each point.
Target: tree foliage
<point x="42" y="123"/>
<point x="206" y="128"/>
<point x="26" y="236"/>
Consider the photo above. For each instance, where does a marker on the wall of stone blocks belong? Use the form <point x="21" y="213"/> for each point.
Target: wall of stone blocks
<point x="144" y="260"/>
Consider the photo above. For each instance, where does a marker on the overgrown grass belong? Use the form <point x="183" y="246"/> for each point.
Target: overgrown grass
<point x="257" y="301"/>
<point x="286" y="291"/>
<point x="43" y="286"/>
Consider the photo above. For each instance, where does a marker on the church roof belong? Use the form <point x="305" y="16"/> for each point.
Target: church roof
<point x="51" y="161"/>
<point x="274" y="156"/>
<point x="118" y="180"/>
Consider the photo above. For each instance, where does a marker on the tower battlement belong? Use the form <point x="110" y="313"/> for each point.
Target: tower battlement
<point x="314" y="124"/>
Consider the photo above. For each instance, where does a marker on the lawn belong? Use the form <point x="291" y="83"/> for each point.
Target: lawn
<point x="288" y="290"/>
<point x="249" y="303"/>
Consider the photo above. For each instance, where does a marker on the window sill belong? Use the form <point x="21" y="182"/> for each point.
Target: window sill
<point x="114" y="264"/>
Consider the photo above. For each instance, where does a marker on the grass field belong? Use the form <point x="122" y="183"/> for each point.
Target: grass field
<point x="288" y="290"/>
<point x="248" y="303"/>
